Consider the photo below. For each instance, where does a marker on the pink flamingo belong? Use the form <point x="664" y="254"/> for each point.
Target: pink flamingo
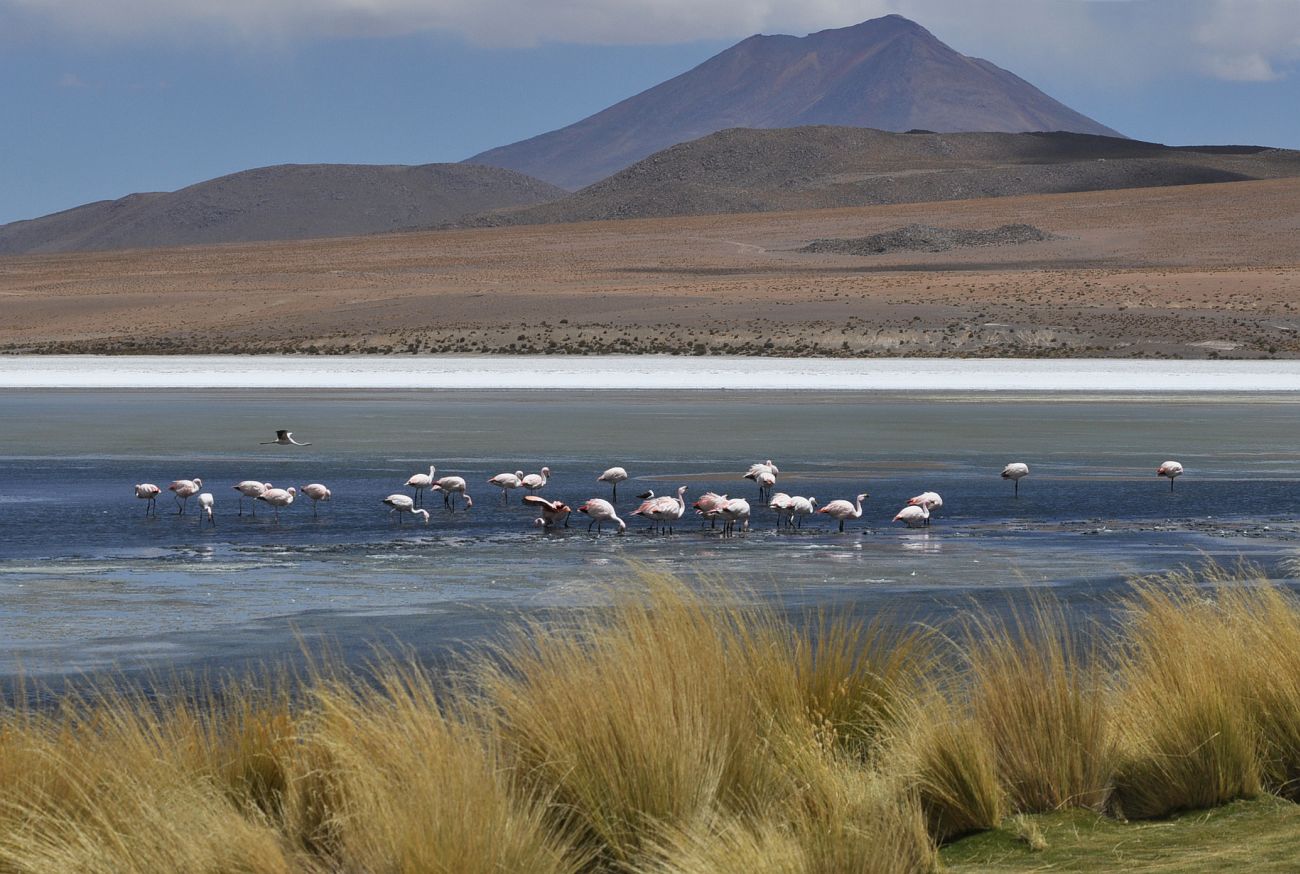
<point x="185" y="489"/>
<point x="931" y="501"/>
<point x="535" y="481"/>
<point x="709" y="505"/>
<point x="278" y="498"/>
<point x="737" y="510"/>
<point x="420" y="482"/>
<point x="765" y="475"/>
<point x="1016" y="471"/>
<point x="205" y="507"/>
<point x="507" y="481"/>
<point x="404" y="504"/>
<point x="613" y="476"/>
<point x="601" y="511"/>
<point x="149" y="493"/>
<point x="783" y="504"/>
<point x="450" y="486"/>
<point x="843" y="510"/>
<point x="914" y="515"/>
<point x="1170" y="469"/>
<point x="665" y="510"/>
<point x="317" y="492"/>
<point x="801" y="507"/>
<point x="250" y="488"/>
<point x="553" y="512"/>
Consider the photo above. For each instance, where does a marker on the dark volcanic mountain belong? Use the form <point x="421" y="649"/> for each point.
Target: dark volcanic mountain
<point x="738" y="171"/>
<point x="888" y="73"/>
<point x="288" y="202"/>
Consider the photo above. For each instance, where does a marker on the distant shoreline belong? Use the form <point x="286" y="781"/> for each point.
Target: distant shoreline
<point x="649" y="373"/>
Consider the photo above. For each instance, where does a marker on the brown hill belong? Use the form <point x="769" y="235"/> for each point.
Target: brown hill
<point x="737" y="171"/>
<point x="888" y="73"/>
<point x="287" y="202"/>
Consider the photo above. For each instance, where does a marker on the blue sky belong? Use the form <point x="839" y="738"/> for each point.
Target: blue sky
<point x="100" y="98"/>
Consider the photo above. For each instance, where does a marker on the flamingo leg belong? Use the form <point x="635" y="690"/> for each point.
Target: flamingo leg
<point x="841" y="526"/>
<point x="615" y="492"/>
<point x="1017" y="482"/>
<point x="1171" y="484"/>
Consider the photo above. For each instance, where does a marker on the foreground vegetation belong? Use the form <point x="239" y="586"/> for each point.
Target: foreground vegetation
<point x="687" y="732"/>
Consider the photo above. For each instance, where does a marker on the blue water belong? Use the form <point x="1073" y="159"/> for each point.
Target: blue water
<point x="88" y="582"/>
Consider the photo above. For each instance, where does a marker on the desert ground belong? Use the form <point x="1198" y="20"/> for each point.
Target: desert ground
<point x="1195" y="271"/>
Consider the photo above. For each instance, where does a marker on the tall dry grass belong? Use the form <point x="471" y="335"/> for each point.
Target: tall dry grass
<point x="679" y="731"/>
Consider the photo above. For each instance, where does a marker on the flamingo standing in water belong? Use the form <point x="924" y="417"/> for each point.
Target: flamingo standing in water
<point x="251" y="488"/>
<point x="404" y="504"/>
<point x="507" y="481"/>
<point x="205" y="507"/>
<point x="709" y="505"/>
<point x="601" y="511"/>
<point x="665" y="510"/>
<point x="931" y="501"/>
<point x="843" y="510"/>
<point x="764" y="474"/>
<point x="149" y="493"/>
<point x="535" y="481"/>
<point x="914" y="515"/>
<point x="613" y="476"/>
<point x="737" y="510"/>
<point x="783" y="504"/>
<point x="450" y="486"/>
<point x="801" y="507"/>
<point x="278" y="498"/>
<point x="317" y="492"/>
<point x="1016" y="471"/>
<point x="185" y="489"/>
<point x="553" y="512"/>
<point x="1170" y="469"/>
<point x="420" y="482"/>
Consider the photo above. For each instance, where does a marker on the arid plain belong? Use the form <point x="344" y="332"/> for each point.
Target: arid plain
<point x="1193" y="271"/>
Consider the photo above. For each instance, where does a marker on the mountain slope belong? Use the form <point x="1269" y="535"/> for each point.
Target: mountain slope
<point x="287" y="202"/>
<point x="888" y="73"/>
<point x="744" y="170"/>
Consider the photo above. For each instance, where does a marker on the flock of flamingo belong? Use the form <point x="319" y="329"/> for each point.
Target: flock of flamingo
<point x="663" y="511"/>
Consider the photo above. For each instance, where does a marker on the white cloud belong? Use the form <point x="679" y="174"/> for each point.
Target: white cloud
<point x="1250" y="40"/>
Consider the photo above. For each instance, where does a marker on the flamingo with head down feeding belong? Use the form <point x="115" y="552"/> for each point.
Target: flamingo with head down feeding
<point x="205" y="508"/>
<point x="404" y="504"/>
<point x="737" y="510"/>
<point x="843" y="510"/>
<point x="553" y="512"/>
<point x="317" y="492"/>
<point x="914" y="515"/>
<point x="931" y="501"/>
<point x="450" y="486"/>
<point x="801" y="507"/>
<point x="601" y="511"/>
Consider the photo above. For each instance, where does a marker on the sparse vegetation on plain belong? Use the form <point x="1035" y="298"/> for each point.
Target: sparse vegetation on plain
<point x="686" y="731"/>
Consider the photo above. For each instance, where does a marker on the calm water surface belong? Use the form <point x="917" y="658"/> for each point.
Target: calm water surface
<point x="87" y="582"/>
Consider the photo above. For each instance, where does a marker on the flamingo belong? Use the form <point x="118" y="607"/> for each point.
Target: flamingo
<point x="420" y="482"/>
<point x="708" y="505"/>
<point x="185" y="489"/>
<point x="283" y="438"/>
<point x="250" y="488"/>
<point x="404" y="504"/>
<point x="553" y="512"/>
<point x="915" y="515"/>
<point x="664" y="510"/>
<point x="148" y="492"/>
<point x="801" y="507"/>
<point x="317" y="492"/>
<point x="783" y="504"/>
<point x="1016" y="471"/>
<point x="765" y="475"/>
<point x="613" y="476"/>
<point x="931" y="501"/>
<point x="535" y="481"/>
<point x="601" y="511"/>
<point x="507" y="481"/>
<point x="278" y="498"/>
<point x="843" y="510"/>
<point x="1170" y="469"/>
<point x="450" y="486"/>
<point x="205" y="506"/>
<point x="736" y="510"/>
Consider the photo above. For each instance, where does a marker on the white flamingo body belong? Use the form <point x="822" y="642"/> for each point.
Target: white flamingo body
<point x="613" y="476"/>
<point x="1016" y="471"/>
<point x="601" y="511"/>
<point x="535" y="481"/>
<point x="507" y="481"/>
<point x="736" y="510"/>
<point x="450" y="486"/>
<point x="1170" y="469"/>
<point x="420" y="482"/>
<point x="205" y="508"/>
<point x="553" y="512"/>
<point x="317" y="492"/>
<point x="709" y="505"/>
<point x="665" y="510"/>
<point x="843" y="510"/>
<point x="914" y="515"/>
<point x="148" y="492"/>
<point x="763" y="473"/>
<point x="801" y="508"/>
<point x="278" y="498"/>
<point x="184" y="490"/>
<point x="931" y="501"/>
<point x="404" y="504"/>
<point x="250" y="488"/>
<point x="783" y="504"/>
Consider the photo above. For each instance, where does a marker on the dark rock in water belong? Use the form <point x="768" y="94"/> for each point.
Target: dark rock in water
<point x="928" y="238"/>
